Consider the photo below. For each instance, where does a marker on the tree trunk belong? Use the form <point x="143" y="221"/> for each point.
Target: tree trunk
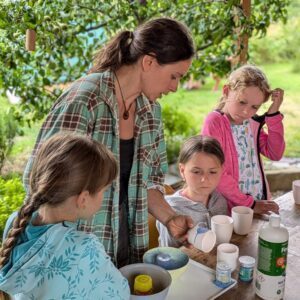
<point x="241" y="56"/>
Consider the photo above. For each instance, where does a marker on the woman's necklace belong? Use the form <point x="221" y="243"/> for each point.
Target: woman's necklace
<point x="126" y="111"/>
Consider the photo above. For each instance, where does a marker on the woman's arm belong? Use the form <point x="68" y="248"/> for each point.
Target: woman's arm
<point x="177" y="225"/>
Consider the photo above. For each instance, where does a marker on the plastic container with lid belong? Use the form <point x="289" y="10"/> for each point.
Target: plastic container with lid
<point x="223" y="275"/>
<point x="247" y="264"/>
<point x="143" y="285"/>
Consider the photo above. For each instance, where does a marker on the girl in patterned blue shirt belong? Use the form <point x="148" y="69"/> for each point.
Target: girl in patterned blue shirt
<point x="43" y="255"/>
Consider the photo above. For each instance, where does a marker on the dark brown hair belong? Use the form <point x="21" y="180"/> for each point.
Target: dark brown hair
<point x="168" y="40"/>
<point x="200" y="144"/>
<point x="65" y="165"/>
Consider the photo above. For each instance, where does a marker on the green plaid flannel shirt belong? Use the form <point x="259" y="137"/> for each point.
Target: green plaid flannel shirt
<point x="89" y="107"/>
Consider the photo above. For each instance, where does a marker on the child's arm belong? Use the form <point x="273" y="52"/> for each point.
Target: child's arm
<point x="98" y="277"/>
<point x="276" y="98"/>
<point x="272" y="144"/>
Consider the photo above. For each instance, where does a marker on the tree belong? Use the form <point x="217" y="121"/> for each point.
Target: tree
<point x="70" y="31"/>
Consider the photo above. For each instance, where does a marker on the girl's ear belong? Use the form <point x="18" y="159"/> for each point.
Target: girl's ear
<point x="181" y="170"/>
<point x="81" y="200"/>
<point x="226" y="90"/>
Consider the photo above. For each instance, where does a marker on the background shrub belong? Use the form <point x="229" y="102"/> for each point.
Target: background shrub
<point x="12" y="195"/>
<point x="177" y="127"/>
<point x="8" y="130"/>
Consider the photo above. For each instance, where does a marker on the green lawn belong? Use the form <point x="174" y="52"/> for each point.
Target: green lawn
<point x="196" y="104"/>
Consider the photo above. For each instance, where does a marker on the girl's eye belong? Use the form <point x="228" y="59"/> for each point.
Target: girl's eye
<point x="255" y="107"/>
<point x="173" y="77"/>
<point x="213" y="172"/>
<point x="242" y="102"/>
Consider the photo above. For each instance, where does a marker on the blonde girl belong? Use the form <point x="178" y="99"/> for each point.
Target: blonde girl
<point x="243" y="138"/>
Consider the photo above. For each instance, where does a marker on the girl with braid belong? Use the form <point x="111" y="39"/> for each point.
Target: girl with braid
<point x="44" y="256"/>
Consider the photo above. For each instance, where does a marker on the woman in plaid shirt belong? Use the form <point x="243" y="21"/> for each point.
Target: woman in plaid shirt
<point x="116" y="105"/>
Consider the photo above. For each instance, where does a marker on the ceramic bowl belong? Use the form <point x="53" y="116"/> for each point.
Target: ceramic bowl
<point x="171" y="259"/>
<point x="160" y="277"/>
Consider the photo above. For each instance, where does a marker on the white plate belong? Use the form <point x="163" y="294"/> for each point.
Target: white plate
<point x="196" y="283"/>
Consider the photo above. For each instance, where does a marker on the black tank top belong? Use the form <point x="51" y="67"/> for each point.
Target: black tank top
<point x="126" y="159"/>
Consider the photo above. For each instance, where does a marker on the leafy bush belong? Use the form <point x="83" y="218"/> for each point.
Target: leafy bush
<point x="281" y="43"/>
<point x="177" y="127"/>
<point x="12" y="196"/>
<point x="8" y="131"/>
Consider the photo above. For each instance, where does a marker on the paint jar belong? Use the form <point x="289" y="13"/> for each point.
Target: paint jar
<point x="223" y="274"/>
<point x="247" y="264"/>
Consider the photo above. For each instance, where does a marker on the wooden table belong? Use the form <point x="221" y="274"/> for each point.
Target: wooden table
<point x="290" y="217"/>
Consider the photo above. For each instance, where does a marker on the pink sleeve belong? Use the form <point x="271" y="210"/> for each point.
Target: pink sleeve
<point x="228" y="185"/>
<point x="229" y="188"/>
<point x="272" y="144"/>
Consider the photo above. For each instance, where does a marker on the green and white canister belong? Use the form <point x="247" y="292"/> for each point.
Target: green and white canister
<point x="272" y="260"/>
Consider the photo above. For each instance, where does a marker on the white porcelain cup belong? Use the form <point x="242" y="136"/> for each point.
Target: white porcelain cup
<point x="296" y="191"/>
<point x="229" y="254"/>
<point x="222" y="226"/>
<point x="202" y="238"/>
<point x="242" y="219"/>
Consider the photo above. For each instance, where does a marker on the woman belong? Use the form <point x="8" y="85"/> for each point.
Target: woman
<point x="116" y="105"/>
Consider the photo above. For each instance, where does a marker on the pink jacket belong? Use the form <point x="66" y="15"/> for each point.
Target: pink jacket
<point x="269" y="144"/>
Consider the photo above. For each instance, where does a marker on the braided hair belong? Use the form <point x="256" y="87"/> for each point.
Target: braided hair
<point x="65" y="165"/>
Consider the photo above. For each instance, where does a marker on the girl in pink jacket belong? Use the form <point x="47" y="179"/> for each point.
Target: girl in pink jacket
<point x="241" y="134"/>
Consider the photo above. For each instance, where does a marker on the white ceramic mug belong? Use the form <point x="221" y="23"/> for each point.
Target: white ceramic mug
<point x="296" y="191"/>
<point x="202" y="238"/>
<point x="242" y="219"/>
<point x="229" y="254"/>
<point x="222" y="226"/>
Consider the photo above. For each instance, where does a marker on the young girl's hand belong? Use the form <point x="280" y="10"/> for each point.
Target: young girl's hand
<point x="276" y="98"/>
<point x="266" y="207"/>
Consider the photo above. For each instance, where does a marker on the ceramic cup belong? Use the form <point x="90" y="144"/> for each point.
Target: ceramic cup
<point x="296" y="191"/>
<point x="229" y="254"/>
<point x="242" y="219"/>
<point x="222" y="226"/>
<point x="202" y="238"/>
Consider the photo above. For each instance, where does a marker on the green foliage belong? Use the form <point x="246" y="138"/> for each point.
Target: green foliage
<point x="177" y="127"/>
<point x="281" y="43"/>
<point x="8" y="130"/>
<point x="69" y="32"/>
<point x="11" y="198"/>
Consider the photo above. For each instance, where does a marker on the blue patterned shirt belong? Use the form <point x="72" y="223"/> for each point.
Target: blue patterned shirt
<point x="58" y="262"/>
